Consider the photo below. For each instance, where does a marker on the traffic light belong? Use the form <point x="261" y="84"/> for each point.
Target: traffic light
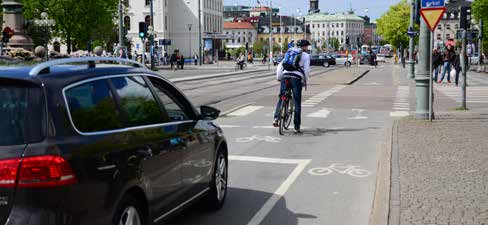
<point x="417" y="11"/>
<point x="347" y="40"/>
<point x="7" y="33"/>
<point x="465" y="18"/>
<point x="142" y="30"/>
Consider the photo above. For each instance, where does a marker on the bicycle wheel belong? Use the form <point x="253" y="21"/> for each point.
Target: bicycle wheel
<point x="290" y="110"/>
<point x="283" y="114"/>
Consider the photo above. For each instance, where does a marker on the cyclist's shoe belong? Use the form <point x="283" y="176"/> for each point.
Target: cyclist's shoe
<point x="275" y="123"/>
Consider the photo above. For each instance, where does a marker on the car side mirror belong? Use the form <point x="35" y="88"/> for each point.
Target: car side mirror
<point x="209" y="113"/>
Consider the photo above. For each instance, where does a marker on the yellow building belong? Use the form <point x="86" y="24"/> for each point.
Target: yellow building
<point x="284" y="30"/>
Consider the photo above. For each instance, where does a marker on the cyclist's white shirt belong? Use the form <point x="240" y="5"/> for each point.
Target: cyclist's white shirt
<point x="304" y="64"/>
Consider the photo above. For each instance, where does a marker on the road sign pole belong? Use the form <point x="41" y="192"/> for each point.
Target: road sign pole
<point x="464" y="68"/>
<point x="431" y="81"/>
<point x="422" y="77"/>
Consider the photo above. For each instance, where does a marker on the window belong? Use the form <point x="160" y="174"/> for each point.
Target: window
<point x="22" y="113"/>
<point x="323" y="25"/>
<point x="148" y="2"/>
<point x="165" y="2"/>
<point x="313" y="25"/>
<point x="439" y="27"/>
<point x="165" y="22"/>
<point x="438" y="36"/>
<point x="238" y="40"/>
<point x="456" y="26"/>
<point x="172" y="107"/>
<point x="342" y="32"/>
<point x="448" y="26"/>
<point x="92" y="107"/>
<point x="137" y="101"/>
<point x="448" y="36"/>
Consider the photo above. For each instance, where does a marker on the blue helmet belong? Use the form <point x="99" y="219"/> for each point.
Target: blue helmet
<point x="291" y="44"/>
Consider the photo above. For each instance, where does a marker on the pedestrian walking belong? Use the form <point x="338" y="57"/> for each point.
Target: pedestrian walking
<point x="173" y="61"/>
<point x="457" y="66"/>
<point x="436" y="63"/>
<point x="181" y="60"/>
<point x="195" y="58"/>
<point x="448" y="59"/>
<point x="249" y="58"/>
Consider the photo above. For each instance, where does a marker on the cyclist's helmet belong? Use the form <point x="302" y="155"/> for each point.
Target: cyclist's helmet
<point x="303" y="42"/>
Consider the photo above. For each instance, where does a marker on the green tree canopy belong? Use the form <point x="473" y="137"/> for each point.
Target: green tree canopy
<point x="480" y="12"/>
<point x="78" y="22"/>
<point x="393" y="25"/>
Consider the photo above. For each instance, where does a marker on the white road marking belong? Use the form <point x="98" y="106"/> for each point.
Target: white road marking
<point x="324" y="113"/>
<point x="350" y="170"/>
<point x="281" y="191"/>
<point x="359" y="115"/>
<point x="399" y="114"/>
<point x="245" y="111"/>
<point x="259" y="138"/>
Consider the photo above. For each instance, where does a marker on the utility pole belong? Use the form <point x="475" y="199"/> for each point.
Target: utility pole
<point x="463" y="69"/>
<point x="422" y="78"/>
<point x="480" y="42"/>
<point x="411" y="60"/>
<point x="200" y="33"/>
<point x="151" y="37"/>
<point x="270" y="33"/>
<point x="121" y="29"/>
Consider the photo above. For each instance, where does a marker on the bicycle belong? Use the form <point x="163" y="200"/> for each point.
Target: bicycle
<point x="287" y="108"/>
<point x="238" y="66"/>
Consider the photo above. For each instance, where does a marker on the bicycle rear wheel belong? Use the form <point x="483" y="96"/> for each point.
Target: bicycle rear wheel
<point x="283" y="114"/>
<point x="290" y="110"/>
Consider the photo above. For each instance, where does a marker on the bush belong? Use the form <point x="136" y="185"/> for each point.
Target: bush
<point x="21" y="54"/>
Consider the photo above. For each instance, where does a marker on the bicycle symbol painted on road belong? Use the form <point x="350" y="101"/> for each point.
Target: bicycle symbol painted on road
<point x="259" y="138"/>
<point x="351" y="170"/>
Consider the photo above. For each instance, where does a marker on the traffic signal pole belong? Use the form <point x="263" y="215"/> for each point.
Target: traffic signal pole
<point x="422" y="78"/>
<point x="121" y="31"/>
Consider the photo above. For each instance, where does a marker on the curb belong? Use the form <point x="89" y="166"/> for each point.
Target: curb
<point x="202" y="77"/>
<point x="381" y="202"/>
<point x="357" y="78"/>
<point x="224" y="114"/>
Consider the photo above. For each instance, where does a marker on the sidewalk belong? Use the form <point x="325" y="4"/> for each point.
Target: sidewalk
<point x="439" y="170"/>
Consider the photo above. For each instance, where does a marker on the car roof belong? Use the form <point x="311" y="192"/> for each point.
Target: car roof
<point x="65" y="74"/>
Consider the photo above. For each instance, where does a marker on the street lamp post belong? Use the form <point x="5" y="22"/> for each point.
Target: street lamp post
<point x="151" y="37"/>
<point x="189" y="38"/>
<point x="121" y="31"/>
<point x="411" y="62"/>
<point x="45" y="23"/>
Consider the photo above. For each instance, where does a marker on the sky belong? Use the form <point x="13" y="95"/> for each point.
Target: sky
<point x="371" y="8"/>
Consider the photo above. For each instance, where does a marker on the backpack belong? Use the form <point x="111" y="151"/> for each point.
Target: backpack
<point x="291" y="61"/>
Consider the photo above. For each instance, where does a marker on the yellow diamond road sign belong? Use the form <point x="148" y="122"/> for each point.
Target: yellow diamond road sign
<point x="432" y="16"/>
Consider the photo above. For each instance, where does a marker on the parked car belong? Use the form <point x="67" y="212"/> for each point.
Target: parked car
<point x="364" y="59"/>
<point x="341" y="59"/>
<point x="103" y="144"/>
<point x="277" y="60"/>
<point x="322" y="60"/>
<point x="380" y="58"/>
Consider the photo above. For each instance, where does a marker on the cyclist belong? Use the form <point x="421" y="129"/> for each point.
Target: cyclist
<point x="297" y="75"/>
<point x="240" y="61"/>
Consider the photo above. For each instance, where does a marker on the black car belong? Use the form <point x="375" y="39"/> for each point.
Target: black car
<point x="96" y="143"/>
<point x="322" y="60"/>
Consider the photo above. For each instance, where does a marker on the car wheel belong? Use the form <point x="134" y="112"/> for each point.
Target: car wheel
<point x="129" y="212"/>
<point x="325" y="64"/>
<point x="218" y="185"/>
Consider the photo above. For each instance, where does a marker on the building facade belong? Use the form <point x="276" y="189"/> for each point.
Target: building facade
<point x="284" y="30"/>
<point x="324" y="27"/>
<point x="449" y="25"/>
<point x="237" y="11"/>
<point x="241" y="33"/>
<point x="177" y="21"/>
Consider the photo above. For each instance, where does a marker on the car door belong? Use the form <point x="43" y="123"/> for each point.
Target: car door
<point x="151" y="137"/>
<point x="196" y="141"/>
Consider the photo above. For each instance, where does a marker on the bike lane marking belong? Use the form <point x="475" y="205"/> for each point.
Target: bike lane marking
<point x="280" y="192"/>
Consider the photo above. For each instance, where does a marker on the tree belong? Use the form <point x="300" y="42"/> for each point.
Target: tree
<point x="334" y="43"/>
<point x="393" y="25"/>
<point x="258" y="47"/>
<point x="480" y="12"/>
<point x="78" y="22"/>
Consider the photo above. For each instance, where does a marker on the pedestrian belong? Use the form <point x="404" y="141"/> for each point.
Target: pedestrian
<point x="457" y="66"/>
<point x="264" y="59"/>
<point x="249" y="58"/>
<point x="173" y="61"/>
<point x="436" y="63"/>
<point x="195" y="57"/>
<point x="165" y="58"/>
<point x="181" y="60"/>
<point x="448" y="59"/>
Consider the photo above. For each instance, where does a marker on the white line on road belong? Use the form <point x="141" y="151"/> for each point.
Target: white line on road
<point x="399" y="114"/>
<point x="324" y="113"/>
<point x="245" y="111"/>
<point x="280" y="192"/>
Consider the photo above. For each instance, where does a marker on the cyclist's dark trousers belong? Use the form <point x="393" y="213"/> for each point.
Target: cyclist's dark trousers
<point x="296" y="87"/>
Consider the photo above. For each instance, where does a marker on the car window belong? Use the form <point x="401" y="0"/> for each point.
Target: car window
<point x="137" y="101"/>
<point x="92" y="107"/>
<point x="21" y="113"/>
<point x="174" y="108"/>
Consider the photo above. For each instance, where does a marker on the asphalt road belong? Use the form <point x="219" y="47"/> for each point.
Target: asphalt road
<point x="323" y="176"/>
